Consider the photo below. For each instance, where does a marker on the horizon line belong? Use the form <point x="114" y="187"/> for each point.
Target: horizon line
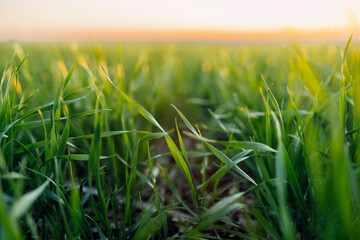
<point x="181" y="35"/>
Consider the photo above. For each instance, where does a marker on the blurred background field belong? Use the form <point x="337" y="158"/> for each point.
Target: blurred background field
<point x="191" y="76"/>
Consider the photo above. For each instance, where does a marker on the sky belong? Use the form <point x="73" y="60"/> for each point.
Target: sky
<point x="20" y="19"/>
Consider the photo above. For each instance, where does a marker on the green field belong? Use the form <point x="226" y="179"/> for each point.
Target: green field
<point x="180" y="141"/>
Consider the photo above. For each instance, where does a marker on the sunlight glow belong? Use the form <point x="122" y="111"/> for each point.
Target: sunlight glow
<point x="19" y="17"/>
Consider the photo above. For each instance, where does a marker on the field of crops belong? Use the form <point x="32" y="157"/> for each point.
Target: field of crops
<point x="180" y="141"/>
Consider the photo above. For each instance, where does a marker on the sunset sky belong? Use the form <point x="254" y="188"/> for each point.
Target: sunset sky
<point x="41" y="19"/>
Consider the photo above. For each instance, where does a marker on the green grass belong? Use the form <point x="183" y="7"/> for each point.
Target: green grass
<point x="184" y="141"/>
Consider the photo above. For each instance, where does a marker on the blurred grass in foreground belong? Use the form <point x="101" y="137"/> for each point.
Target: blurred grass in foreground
<point x="265" y="144"/>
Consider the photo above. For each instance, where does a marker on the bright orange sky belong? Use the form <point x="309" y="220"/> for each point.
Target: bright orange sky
<point x="161" y="19"/>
